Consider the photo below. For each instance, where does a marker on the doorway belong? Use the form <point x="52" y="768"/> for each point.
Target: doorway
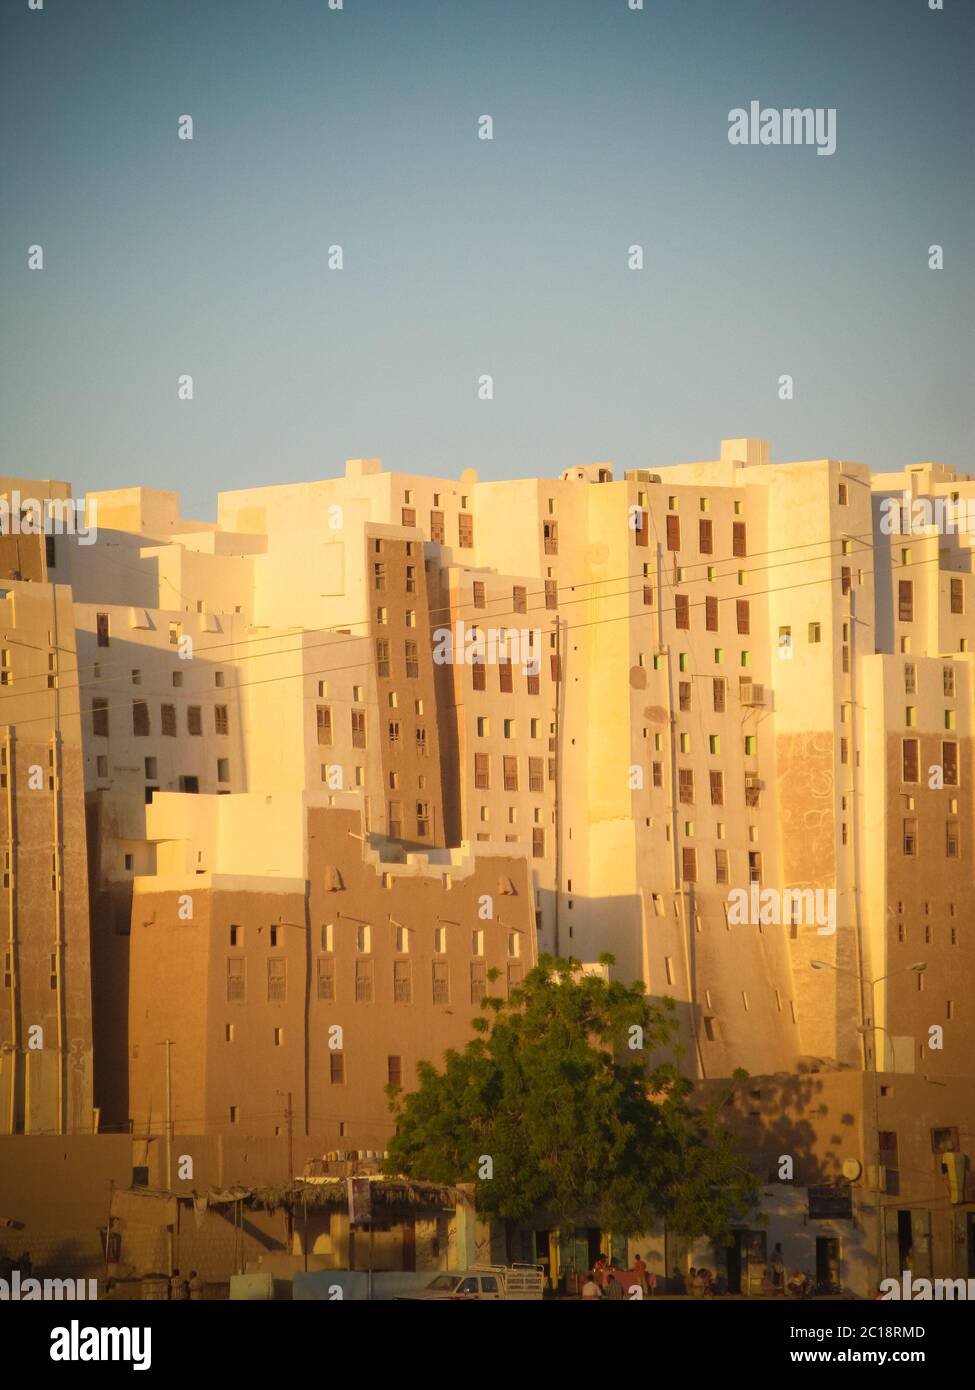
<point x="735" y="1259"/>
<point x="543" y="1254"/>
<point x="905" y="1240"/>
<point x="747" y="1263"/>
<point x="409" y="1246"/>
<point x="828" y="1264"/>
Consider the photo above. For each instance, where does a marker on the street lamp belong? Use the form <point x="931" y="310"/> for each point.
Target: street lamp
<point x="917" y="968"/>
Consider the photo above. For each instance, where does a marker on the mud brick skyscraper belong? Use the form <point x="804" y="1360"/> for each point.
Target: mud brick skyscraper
<point x="727" y="674"/>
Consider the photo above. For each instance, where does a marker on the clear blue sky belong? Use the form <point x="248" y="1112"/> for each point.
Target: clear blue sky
<point x="462" y="256"/>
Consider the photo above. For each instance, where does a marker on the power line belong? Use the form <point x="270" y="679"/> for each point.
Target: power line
<point x="573" y="627"/>
<point x="304" y="647"/>
<point x="340" y="626"/>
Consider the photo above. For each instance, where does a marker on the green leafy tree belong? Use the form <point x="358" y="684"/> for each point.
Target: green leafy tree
<point x="577" y="1121"/>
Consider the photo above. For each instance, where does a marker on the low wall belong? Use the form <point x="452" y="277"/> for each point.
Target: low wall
<point x="354" y="1283"/>
<point x="54" y="1197"/>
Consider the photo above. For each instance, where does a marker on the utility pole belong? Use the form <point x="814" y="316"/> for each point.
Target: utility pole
<point x="290" y="1117"/>
<point x="108" y="1229"/>
<point x="690" y="946"/>
<point x="168" y="1044"/>
<point x="59" y="953"/>
<point x="289" y="1121"/>
<point x="558" y="776"/>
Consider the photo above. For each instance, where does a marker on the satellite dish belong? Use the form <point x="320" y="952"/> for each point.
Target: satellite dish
<point x="852" y="1168"/>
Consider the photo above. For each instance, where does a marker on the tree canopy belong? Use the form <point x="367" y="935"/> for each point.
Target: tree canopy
<point x="572" y="1090"/>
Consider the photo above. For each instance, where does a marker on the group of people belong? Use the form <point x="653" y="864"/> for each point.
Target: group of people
<point x="606" y="1280"/>
<point x="700" y="1283"/>
<point x="180" y="1288"/>
<point x="796" y="1285"/>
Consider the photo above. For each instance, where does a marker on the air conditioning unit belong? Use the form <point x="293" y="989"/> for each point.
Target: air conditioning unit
<point x="753" y="783"/>
<point x="752" y="694"/>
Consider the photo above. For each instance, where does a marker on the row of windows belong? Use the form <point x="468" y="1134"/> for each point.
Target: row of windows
<point x="135" y="674"/>
<point x="705" y="532"/>
<point x="506" y="684"/>
<point x="103" y="630"/>
<point x="952" y="840"/>
<point x="411" y="658"/>
<point x="402" y="939"/>
<point x="509" y="728"/>
<point x="509" y="773"/>
<point x="336" y="1066"/>
<point x="911" y="761"/>
<point x="749" y="693"/>
<point x="704" y="503"/>
<point x="905" y="594"/>
<point x="519" y="595"/>
<point x="379" y="583"/>
<point x="685" y="744"/>
<point x="716" y="786"/>
<point x="188" y="782"/>
<point x="31" y="781"/>
<point x="8" y="970"/>
<point x="7" y="674"/>
<point x="716" y="783"/>
<point x="395" y="820"/>
<point x="910" y="717"/>
<point x="364" y="980"/>
<point x="928" y="933"/>
<point x="746" y="686"/>
<point x="438" y="528"/>
<point x="689" y="865"/>
<point x="141" y="724"/>
<point x="710" y="1019"/>
<point x="947" y="680"/>
<point x="682" y="613"/>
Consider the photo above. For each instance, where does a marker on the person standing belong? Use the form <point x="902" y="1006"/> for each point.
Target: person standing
<point x="178" y="1288"/>
<point x="196" y="1286"/>
<point x="640" y="1268"/>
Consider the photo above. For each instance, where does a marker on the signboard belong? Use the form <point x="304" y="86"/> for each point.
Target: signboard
<point x="360" y="1201"/>
<point x="830" y="1203"/>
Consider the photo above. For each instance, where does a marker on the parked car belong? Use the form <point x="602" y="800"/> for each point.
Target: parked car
<point x="485" y="1282"/>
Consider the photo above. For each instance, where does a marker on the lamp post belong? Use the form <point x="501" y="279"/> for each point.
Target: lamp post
<point x="917" y="968"/>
